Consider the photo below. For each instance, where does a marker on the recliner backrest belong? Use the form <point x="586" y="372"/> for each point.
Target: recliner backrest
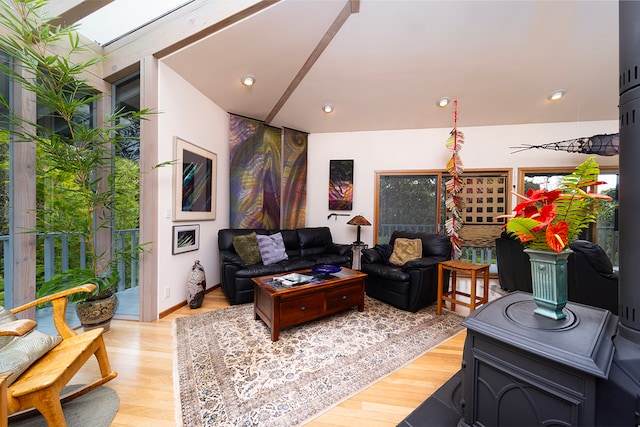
<point x="594" y="254"/>
<point x="432" y="244"/>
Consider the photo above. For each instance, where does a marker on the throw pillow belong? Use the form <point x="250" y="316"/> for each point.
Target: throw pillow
<point x="17" y="353"/>
<point x="405" y="250"/>
<point x="247" y="247"/>
<point x="21" y="352"/>
<point x="272" y="248"/>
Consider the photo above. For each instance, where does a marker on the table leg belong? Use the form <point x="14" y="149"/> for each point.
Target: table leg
<point x="474" y="282"/>
<point x="440" y="282"/>
<point x="485" y="295"/>
<point x="454" y="279"/>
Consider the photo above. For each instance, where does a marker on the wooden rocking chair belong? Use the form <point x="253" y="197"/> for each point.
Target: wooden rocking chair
<point x="40" y="385"/>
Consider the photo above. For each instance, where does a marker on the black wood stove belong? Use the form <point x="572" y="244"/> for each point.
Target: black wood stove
<point x="520" y="369"/>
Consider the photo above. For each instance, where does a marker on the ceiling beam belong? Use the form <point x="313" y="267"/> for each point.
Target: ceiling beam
<point x="352" y="6"/>
<point x="184" y="26"/>
<point x="67" y="12"/>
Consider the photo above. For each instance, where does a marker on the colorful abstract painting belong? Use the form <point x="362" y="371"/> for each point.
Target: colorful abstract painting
<point x="254" y="174"/>
<point x="294" y="178"/>
<point x="341" y="185"/>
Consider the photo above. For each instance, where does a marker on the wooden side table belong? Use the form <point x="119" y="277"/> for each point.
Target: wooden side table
<point x="455" y="266"/>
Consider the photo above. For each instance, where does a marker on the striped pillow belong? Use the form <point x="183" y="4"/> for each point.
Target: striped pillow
<point x="272" y="248"/>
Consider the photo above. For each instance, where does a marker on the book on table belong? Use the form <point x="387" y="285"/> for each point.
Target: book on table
<point x="293" y="279"/>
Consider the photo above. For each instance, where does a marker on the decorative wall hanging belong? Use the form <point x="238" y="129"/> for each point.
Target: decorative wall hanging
<point x="341" y="185"/>
<point x="294" y="179"/>
<point x="186" y="238"/>
<point x="484" y="198"/>
<point x="604" y="145"/>
<point x="454" y="186"/>
<point x="194" y="182"/>
<point x="268" y="170"/>
<point x="255" y="174"/>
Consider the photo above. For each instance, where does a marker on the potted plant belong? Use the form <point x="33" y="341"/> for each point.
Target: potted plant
<point x="69" y="147"/>
<point x="545" y="222"/>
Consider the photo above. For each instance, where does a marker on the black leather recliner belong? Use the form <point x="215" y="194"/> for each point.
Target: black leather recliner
<point x="591" y="279"/>
<point x="413" y="285"/>
<point x="514" y="270"/>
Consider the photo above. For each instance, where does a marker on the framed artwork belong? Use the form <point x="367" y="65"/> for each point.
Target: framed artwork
<point x="186" y="238"/>
<point x="194" y="182"/>
<point x="341" y="185"/>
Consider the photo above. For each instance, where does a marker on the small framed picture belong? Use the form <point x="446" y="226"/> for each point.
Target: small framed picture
<point x="186" y="238"/>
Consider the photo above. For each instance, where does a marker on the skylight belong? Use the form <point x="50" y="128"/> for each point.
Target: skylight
<point x="121" y="17"/>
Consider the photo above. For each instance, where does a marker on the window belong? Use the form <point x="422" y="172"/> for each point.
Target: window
<point x="407" y="201"/>
<point x="414" y="201"/>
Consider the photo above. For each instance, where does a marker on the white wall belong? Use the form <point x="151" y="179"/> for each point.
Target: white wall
<point x="186" y="113"/>
<point x="487" y="147"/>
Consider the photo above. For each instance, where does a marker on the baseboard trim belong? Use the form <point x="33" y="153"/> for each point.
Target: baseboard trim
<point x="183" y="303"/>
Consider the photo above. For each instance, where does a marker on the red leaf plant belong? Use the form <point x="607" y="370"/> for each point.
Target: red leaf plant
<point x="551" y="219"/>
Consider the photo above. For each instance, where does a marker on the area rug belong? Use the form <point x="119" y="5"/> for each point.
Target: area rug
<point x="97" y="408"/>
<point x="228" y="372"/>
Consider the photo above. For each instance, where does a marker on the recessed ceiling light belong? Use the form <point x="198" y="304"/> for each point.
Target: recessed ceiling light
<point x="556" y="94"/>
<point x="443" y="102"/>
<point x="327" y="108"/>
<point x="248" y="80"/>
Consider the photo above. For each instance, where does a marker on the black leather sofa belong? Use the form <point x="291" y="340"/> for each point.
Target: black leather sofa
<point x="591" y="278"/>
<point x="413" y="285"/>
<point x="304" y="246"/>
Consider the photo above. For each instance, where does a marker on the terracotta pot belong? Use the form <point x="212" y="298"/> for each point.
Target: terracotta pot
<point x="97" y="313"/>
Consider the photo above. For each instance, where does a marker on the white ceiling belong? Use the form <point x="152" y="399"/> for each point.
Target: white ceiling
<point x="391" y="61"/>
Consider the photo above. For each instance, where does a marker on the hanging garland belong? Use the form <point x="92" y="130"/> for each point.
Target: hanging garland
<point x="454" y="186"/>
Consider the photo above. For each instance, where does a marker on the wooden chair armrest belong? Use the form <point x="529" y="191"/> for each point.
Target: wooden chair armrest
<point x="4" y="411"/>
<point x="59" y="303"/>
<point x="62" y="294"/>
<point x="17" y="328"/>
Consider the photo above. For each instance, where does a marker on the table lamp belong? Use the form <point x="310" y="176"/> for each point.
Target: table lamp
<point x="358" y="220"/>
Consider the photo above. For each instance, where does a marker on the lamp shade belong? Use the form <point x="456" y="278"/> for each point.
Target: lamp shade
<point x="358" y="220"/>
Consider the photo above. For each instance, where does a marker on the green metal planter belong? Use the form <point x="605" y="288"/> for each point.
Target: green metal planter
<point x="549" y="276"/>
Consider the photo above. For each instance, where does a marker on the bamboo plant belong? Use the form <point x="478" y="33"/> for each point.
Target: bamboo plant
<point x="48" y="65"/>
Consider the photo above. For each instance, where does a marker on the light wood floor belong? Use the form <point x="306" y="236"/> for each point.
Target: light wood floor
<point x="141" y="353"/>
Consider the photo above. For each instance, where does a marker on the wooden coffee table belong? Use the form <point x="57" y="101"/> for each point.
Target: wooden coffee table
<point x="280" y="307"/>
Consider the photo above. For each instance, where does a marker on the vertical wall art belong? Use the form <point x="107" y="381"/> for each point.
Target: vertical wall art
<point x="294" y="178"/>
<point x="341" y="185"/>
<point x="255" y="174"/>
<point x="194" y="182"/>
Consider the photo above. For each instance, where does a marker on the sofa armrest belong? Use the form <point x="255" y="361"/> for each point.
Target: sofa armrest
<point x="425" y="262"/>
<point x="371" y="256"/>
<point x="231" y="258"/>
<point x="339" y="249"/>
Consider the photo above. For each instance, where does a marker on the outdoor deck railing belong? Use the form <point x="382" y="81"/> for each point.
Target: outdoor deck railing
<point x="59" y="249"/>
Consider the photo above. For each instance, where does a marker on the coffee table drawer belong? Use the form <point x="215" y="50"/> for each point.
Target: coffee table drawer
<point x="344" y="298"/>
<point x="298" y="310"/>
